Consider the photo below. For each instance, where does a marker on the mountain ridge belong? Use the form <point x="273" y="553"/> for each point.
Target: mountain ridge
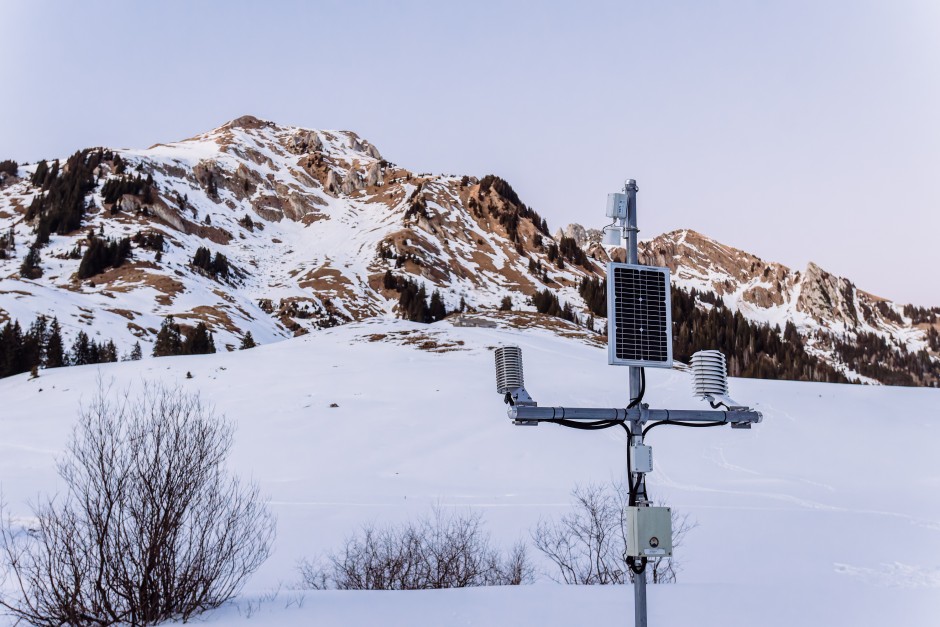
<point x="311" y="225"/>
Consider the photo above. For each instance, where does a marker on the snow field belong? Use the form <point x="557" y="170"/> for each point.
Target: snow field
<point x="824" y="514"/>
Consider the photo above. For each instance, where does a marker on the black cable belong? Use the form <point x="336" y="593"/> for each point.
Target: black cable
<point x="635" y="490"/>
<point x="585" y="426"/>
<point x="631" y="562"/>
<point x="639" y="399"/>
<point x="679" y="423"/>
<point x="632" y="487"/>
<point x="631" y="500"/>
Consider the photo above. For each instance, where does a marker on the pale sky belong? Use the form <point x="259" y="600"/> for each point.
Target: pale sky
<point x="799" y="130"/>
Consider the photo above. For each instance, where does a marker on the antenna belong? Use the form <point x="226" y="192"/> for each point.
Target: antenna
<point x="639" y="319"/>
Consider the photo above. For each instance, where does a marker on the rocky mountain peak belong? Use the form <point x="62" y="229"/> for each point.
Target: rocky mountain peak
<point x="314" y="228"/>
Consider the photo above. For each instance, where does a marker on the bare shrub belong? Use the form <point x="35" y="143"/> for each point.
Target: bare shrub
<point x="588" y="545"/>
<point x="443" y="550"/>
<point x="150" y="528"/>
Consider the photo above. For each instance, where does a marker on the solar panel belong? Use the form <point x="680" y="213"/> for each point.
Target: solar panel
<point x="639" y="316"/>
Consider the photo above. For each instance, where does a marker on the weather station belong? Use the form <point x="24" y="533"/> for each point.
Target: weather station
<point x="639" y="336"/>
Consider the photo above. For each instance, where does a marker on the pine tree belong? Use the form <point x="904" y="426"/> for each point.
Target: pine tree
<point x="594" y="293"/>
<point x="419" y="306"/>
<point x="169" y="341"/>
<point x="30" y="268"/>
<point x="42" y="234"/>
<point x="437" y="310"/>
<point x="136" y="352"/>
<point x="102" y="254"/>
<point x="247" y="341"/>
<point x="220" y="265"/>
<point x="11" y="350"/>
<point x="51" y="175"/>
<point x="202" y="259"/>
<point x="34" y="342"/>
<point x="198" y="341"/>
<point x="55" y="352"/>
<point x="107" y="352"/>
<point x="83" y="352"/>
<point x="389" y="281"/>
<point x="40" y="174"/>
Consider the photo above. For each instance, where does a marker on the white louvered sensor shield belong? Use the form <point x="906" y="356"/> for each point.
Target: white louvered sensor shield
<point x="709" y="374"/>
<point x="508" y="369"/>
<point x="639" y="316"/>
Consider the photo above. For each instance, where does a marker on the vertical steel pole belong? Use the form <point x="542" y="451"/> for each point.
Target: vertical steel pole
<point x="639" y="581"/>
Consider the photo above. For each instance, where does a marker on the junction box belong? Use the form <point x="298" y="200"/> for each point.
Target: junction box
<point x="649" y="532"/>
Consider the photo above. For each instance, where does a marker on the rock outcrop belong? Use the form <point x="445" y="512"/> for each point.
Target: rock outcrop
<point x="304" y="142"/>
<point x="373" y="176"/>
<point x="352" y="183"/>
<point x="372" y="151"/>
<point x="583" y="237"/>
<point x="128" y="203"/>
<point x="334" y="183"/>
<point x="827" y="298"/>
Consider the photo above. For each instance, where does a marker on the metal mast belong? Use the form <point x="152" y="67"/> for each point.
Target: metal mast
<point x="636" y="427"/>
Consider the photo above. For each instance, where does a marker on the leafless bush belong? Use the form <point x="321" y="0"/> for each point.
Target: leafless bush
<point x="150" y="528"/>
<point x="443" y="550"/>
<point x="588" y="545"/>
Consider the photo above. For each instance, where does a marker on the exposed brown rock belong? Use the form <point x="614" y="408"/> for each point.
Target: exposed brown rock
<point x="303" y="142"/>
<point x="352" y="183"/>
<point x="827" y="297"/>
<point x="128" y="203"/>
<point x="373" y="176"/>
<point x="334" y="183"/>
<point x="247" y="122"/>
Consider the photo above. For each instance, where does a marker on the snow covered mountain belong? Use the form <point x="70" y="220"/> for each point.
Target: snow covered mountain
<point x="305" y="229"/>
<point x="833" y="316"/>
<point x="310" y="222"/>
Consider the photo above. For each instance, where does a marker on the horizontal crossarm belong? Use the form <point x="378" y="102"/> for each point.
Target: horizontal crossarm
<point x="524" y="414"/>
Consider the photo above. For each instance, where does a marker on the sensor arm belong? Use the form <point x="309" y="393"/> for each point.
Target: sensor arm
<point x="527" y="414"/>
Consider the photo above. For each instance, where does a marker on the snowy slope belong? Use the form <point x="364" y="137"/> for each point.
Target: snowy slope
<point x="824" y="514"/>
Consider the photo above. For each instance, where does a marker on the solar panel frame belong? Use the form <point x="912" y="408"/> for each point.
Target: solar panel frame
<point x="639" y="316"/>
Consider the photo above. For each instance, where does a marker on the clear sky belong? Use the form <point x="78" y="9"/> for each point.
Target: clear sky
<point x="799" y="130"/>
